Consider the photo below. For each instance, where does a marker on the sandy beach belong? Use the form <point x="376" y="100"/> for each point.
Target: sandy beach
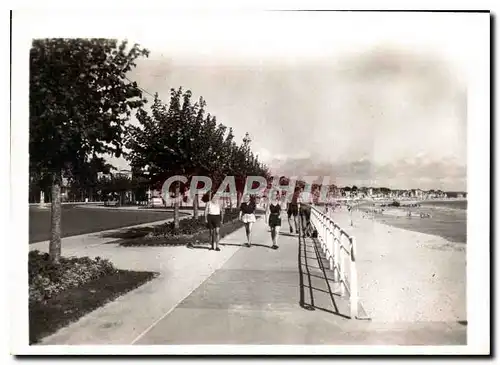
<point x="406" y="275"/>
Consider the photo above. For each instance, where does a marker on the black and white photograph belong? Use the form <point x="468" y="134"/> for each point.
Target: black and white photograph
<point x="250" y="182"/>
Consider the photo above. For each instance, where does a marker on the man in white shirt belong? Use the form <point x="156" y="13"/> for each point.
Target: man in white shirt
<point x="214" y="215"/>
<point x="305" y="201"/>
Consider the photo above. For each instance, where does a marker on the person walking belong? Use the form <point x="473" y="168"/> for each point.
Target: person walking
<point x="214" y="215"/>
<point x="293" y="211"/>
<point x="273" y="217"/>
<point x="247" y="216"/>
<point x="305" y="201"/>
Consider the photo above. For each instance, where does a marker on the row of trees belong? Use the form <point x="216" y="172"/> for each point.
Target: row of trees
<point x="80" y="103"/>
<point x="182" y="138"/>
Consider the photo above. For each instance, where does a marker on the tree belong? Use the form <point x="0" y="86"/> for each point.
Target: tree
<point x="385" y="191"/>
<point x="170" y="141"/>
<point x="80" y="100"/>
<point x="182" y="139"/>
<point x="83" y="178"/>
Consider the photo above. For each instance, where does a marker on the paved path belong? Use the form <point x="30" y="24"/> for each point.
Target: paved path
<point x="237" y="296"/>
<point x="263" y="296"/>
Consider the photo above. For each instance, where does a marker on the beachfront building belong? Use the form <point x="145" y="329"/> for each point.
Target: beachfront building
<point x="416" y="194"/>
<point x="441" y="195"/>
<point x="335" y="191"/>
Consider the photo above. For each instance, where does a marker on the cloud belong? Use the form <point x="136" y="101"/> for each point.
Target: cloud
<point x="385" y="113"/>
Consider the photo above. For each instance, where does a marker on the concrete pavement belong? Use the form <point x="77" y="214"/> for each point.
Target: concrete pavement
<point x="263" y="296"/>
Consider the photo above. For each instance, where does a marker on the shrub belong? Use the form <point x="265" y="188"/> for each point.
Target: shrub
<point x="187" y="226"/>
<point x="190" y="226"/>
<point x="230" y="215"/>
<point x="47" y="279"/>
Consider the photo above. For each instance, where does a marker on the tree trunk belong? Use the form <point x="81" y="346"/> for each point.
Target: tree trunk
<point x="238" y="199"/>
<point x="55" y="220"/>
<point x="176" y="206"/>
<point x="195" y="206"/>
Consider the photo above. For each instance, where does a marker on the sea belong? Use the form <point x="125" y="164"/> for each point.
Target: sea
<point x="448" y="219"/>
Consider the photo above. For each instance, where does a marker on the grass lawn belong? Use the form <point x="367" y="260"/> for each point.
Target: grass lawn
<point x="69" y="305"/>
<point x="138" y="236"/>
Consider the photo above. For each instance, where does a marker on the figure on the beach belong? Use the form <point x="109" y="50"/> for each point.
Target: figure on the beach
<point x="214" y="215"/>
<point x="273" y="217"/>
<point x="293" y="211"/>
<point x="247" y="216"/>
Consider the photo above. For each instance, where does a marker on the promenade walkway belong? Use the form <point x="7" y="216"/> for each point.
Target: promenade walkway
<point x="237" y="296"/>
<point x="263" y="296"/>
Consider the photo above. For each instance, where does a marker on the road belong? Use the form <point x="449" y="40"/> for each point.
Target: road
<point x="77" y="220"/>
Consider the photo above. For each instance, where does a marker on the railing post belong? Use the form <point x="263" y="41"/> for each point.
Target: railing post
<point x="341" y="265"/>
<point x="324" y="231"/>
<point x="336" y="253"/>
<point x="327" y="239"/>
<point x="331" y="240"/>
<point x="353" y="281"/>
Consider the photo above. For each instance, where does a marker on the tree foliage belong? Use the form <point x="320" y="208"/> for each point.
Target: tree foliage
<point x="80" y="100"/>
<point x="182" y="138"/>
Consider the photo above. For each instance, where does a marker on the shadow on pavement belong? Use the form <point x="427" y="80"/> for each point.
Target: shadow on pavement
<point x="244" y="245"/>
<point x="310" y="295"/>
<point x="198" y="247"/>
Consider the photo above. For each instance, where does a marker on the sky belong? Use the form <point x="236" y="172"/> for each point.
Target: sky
<point x="366" y="101"/>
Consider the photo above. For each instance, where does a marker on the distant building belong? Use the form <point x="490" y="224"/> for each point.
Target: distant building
<point x="123" y="173"/>
<point x="119" y="173"/>
<point x="127" y="195"/>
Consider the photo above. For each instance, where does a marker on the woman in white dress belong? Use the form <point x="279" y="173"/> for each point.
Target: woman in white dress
<point x="247" y="216"/>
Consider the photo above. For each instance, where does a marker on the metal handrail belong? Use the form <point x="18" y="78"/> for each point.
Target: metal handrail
<point x="338" y="245"/>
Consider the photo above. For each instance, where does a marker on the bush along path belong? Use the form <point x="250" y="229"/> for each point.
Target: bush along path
<point x="191" y="231"/>
<point x="62" y="293"/>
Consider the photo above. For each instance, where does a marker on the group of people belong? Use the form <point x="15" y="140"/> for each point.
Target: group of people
<point x="297" y="209"/>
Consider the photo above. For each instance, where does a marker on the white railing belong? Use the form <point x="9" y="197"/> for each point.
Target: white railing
<point x="340" y="249"/>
